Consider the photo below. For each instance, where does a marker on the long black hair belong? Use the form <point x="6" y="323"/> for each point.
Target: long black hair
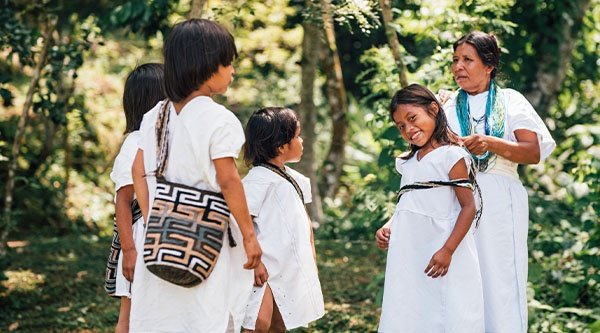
<point x="143" y="89"/>
<point x="420" y="96"/>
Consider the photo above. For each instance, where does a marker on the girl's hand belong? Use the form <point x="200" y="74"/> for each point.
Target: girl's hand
<point x="476" y="143"/>
<point x="129" y="258"/>
<point x="444" y="95"/>
<point x="439" y="263"/>
<point x="253" y="252"/>
<point x="382" y="237"/>
<point x="260" y="275"/>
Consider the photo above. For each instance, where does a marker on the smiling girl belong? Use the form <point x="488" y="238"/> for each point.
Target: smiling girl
<point x="432" y="279"/>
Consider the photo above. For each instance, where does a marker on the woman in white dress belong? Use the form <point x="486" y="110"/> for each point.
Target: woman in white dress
<point x="432" y="280"/>
<point x="287" y="292"/>
<point x="143" y="89"/>
<point x="501" y="129"/>
<point x="204" y="140"/>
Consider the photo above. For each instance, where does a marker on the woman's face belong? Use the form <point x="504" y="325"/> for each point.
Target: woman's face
<point x="469" y="71"/>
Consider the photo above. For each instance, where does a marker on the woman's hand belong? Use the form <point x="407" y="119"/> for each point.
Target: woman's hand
<point x="476" y="143"/>
<point x="253" y="252"/>
<point x="129" y="258"/>
<point x="382" y="237"/>
<point x="444" y="95"/>
<point x="439" y="263"/>
<point x="260" y="275"/>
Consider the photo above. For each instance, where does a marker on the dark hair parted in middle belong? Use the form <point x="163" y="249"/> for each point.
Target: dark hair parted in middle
<point x="193" y="51"/>
<point x="143" y="89"/>
<point x="486" y="46"/>
<point x="267" y="130"/>
<point x="418" y="95"/>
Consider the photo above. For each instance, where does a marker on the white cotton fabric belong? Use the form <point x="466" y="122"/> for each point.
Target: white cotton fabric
<point x="283" y="230"/>
<point x="203" y="131"/>
<point x="420" y="226"/>
<point x="121" y="176"/>
<point x="502" y="235"/>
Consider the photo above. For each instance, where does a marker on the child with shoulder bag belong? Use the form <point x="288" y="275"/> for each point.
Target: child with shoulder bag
<point x="143" y="89"/>
<point x="197" y="140"/>
<point x="287" y="292"/>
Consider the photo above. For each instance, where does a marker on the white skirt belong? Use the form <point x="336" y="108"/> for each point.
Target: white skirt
<point x="416" y="303"/>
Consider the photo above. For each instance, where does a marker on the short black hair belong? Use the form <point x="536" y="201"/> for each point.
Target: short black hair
<point x="193" y="51"/>
<point x="486" y="46"/>
<point x="143" y="89"/>
<point x="267" y="130"/>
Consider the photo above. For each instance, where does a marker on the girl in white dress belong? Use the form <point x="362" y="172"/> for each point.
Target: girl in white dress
<point x="432" y="279"/>
<point x="204" y="140"/>
<point x="143" y="89"/>
<point x="287" y="292"/>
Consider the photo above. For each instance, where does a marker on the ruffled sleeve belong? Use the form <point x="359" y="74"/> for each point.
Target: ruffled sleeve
<point x="228" y="139"/>
<point x="521" y="115"/>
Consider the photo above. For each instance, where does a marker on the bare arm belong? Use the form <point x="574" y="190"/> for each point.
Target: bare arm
<point x="525" y="151"/>
<point x="382" y="236"/>
<point x="138" y="173"/>
<point x="231" y="185"/>
<point x="124" y="223"/>
<point x="440" y="262"/>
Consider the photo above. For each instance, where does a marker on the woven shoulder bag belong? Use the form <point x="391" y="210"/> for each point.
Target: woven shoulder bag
<point x="186" y="227"/>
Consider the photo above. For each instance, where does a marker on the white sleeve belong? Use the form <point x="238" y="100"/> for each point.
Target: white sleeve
<point x="521" y="115"/>
<point x="227" y="140"/>
<point x="304" y="183"/>
<point x="256" y="194"/>
<point x="454" y="155"/>
<point x="121" y="172"/>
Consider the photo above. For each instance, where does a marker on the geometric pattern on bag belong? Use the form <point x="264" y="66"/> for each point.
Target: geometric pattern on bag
<point x="110" y="277"/>
<point x="185" y="233"/>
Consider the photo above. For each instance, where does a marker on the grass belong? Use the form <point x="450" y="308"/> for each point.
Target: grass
<point x="56" y="285"/>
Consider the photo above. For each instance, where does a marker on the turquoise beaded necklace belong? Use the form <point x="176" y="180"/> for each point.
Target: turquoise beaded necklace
<point x="494" y="121"/>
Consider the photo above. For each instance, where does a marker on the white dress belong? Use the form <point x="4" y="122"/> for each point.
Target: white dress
<point x="203" y="131"/>
<point x="502" y="235"/>
<point x="283" y="230"/>
<point x="420" y="226"/>
<point x="121" y="176"/>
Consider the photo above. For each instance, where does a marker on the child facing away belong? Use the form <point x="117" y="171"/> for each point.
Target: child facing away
<point x="143" y="89"/>
<point x="432" y="283"/>
<point x="287" y="292"/>
<point x="204" y="138"/>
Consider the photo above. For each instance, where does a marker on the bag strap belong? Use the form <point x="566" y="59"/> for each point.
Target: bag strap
<point x="285" y="175"/>
<point x="471" y="184"/>
<point x="162" y="139"/>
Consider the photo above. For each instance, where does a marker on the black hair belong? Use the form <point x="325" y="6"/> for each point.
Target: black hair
<point x="486" y="46"/>
<point x="143" y="89"/>
<point x="267" y="130"/>
<point x="193" y="51"/>
<point x="418" y="95"/>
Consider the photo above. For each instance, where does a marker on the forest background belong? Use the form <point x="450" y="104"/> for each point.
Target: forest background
<point x="337" y="63"/>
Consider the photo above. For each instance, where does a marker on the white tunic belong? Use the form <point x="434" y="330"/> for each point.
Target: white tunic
<point x="502" y="236"/>
<point x="203" y="131"/>
<point x="420" y="226"/>
<point x="121" y="176"/>
<point x="283" y="230"/>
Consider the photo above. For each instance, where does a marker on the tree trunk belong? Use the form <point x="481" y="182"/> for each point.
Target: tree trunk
<point x="307" y="113"/>
<point x="16" y="147"/>
<point x="338" y="108"/>
<point x="552" y="67"/>
<point x="386" y="11"/>
<point x="197" y="8"/>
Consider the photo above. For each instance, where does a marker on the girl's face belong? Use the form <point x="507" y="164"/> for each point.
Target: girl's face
<point x="292" y="151"/>
<point x="415" y="123"/>
<point x="220" y="81"/>
<point x="469" y="71"/>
